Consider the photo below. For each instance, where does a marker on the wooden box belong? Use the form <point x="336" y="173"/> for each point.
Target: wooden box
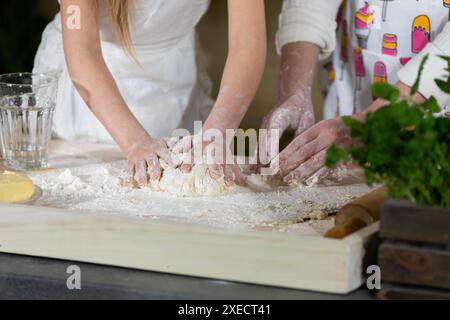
<point x="416" y="252"/>
<point x="403" y="220"/>
<point x="260" y="257"/>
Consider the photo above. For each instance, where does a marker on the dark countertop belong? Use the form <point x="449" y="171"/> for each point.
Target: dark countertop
<point x="23" y="277"/>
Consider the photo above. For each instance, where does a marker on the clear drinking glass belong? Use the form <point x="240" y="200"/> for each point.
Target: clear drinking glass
<point x="25" y="130"/>
<point x="39" y="104"/>
<point x="13" y="84"/>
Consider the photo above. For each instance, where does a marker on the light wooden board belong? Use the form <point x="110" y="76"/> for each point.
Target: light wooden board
<point x="269" y="258"/>
<point x="261" y="257"/>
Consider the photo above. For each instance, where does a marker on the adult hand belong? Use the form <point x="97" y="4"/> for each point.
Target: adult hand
<point x="295" y="113"/>
<point x="306" y="155"/>
<point x="143" y="157"/>
<point x="194" y="150"/>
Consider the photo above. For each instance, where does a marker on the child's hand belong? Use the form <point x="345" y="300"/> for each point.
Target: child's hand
<point x="143" y="157"/>
<point x="194" y="150"/>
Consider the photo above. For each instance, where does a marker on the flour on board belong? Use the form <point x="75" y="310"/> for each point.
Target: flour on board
<point x="98" y="189"/>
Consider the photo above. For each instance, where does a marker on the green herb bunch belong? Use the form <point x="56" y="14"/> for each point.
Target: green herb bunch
<point x="404" y="146"/>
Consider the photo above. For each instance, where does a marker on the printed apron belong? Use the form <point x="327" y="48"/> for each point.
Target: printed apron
<point x="377" y="37"/>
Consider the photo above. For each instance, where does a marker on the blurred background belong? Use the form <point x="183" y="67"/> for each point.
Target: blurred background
<point x="22" y="22"/>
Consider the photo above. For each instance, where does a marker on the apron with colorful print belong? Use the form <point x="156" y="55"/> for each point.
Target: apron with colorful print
<point x="375" y="39"/>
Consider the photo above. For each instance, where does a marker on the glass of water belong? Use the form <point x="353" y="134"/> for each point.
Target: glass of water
<point x="41" y="90"/>
<point x="13" y="84"/>
<point x="25" y="130"/>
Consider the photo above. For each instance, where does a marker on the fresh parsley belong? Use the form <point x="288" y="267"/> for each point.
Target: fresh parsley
<point x="404" y="146"/>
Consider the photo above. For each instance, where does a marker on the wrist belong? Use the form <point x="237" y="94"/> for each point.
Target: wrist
<point x="132" y="141"/>
<point x="301" y="93"/>
<point x="222" y="120"/>
<point x="301" y="100"/>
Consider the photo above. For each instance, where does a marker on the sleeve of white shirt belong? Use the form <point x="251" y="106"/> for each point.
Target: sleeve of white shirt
<point x="311" y="21"/>
<point x="434" y="68"/>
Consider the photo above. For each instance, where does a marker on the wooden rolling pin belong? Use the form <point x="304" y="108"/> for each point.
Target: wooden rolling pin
<point x="358" y="214"/>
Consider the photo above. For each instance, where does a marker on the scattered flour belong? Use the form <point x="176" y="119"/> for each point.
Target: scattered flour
<point x="98" y="189"/>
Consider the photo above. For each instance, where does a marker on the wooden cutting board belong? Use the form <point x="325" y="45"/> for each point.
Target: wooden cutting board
<point x="287" y="260"/>
<point x="261" y="257"/>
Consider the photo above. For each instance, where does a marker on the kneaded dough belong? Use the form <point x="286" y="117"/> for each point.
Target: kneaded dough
<point x="196" y="183"/>
<point x="200" y="183"/>
<point x="15" y="188"/>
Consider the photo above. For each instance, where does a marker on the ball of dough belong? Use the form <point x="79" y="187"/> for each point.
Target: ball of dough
<point x="196" y="183"/>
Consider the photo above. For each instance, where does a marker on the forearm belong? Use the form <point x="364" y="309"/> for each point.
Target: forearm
<point x="98" y="89"/>
<point x="298" y="64"/>
<point x="91" y="76"/>
<point x="312" y="21"/>
<point x="245" y="64"/>
<point x="239" y="85"/>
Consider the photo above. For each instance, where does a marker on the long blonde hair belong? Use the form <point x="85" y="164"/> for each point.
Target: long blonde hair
<point x="119" y="10"/>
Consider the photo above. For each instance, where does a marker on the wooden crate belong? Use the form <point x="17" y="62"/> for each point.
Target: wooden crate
<point x="414" y="264"/>
<point x="415" y="258"/>
<point x="260" y="257"/>
<point x="403" y="220"/>
<point x="396" y="292"/>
